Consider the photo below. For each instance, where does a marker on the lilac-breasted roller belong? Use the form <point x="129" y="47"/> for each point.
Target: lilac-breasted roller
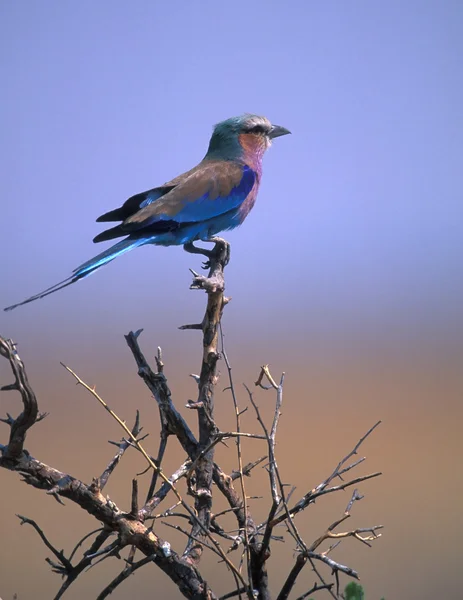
<point x="214" y="196"/>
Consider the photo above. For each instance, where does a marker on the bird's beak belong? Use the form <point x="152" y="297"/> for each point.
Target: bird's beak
<point x="277" y="131"/>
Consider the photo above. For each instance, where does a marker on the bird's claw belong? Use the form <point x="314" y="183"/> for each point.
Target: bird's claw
<point x="220" y="253"/>
<point x="221" y="250"/>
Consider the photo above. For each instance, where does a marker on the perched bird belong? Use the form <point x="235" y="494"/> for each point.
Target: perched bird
<point x="214" y="196"/>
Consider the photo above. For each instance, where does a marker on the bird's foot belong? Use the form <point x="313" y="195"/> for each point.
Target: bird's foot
<point x="192" y="249"/>
<point x="221" y="250"/>
<point x="219" y="254"/>
<point x="218" y="257"/>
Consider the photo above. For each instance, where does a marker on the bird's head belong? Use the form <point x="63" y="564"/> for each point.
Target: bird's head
<point x="249" y="134"/>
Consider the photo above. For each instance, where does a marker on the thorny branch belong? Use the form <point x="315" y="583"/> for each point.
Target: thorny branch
<point x="214" y="285"/>
<point x="204" y="531"/>
<point x="199" y="472"/>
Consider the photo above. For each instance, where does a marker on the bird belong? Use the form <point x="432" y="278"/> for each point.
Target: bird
<point x="216" y="195"/>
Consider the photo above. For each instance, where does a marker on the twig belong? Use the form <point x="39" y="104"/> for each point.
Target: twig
<point x="271" y="441"/>
<point x="123" y="445"/>
<point x="162" y="447"/>
<point x="322" y="489"/>
<point x="195" y="539"/>
<point x="233" y="594"/>
<point x="248" y="468"/>
<point x="220" y="437"/>
<point x="66" y="564"/>
<point x="316" y="588"/>
<point x="336" y="471"/>
<point x="356" y="533"/>
<point x="83" y="563"/>
<point x="157" y="384"/>
<point x="128" y="570"/>
<point x="239" y="453"/>
<point x="159" y="496"/>
<point x="335" y="566"/>
<point x="80" y="542"/>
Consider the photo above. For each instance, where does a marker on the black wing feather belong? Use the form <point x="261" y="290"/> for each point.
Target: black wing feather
<point x="132" y="205"/>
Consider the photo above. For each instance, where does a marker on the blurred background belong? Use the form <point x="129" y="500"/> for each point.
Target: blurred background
<point x="347" y="275"/>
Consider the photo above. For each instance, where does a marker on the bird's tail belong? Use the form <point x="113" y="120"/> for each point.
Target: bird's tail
<point x="87" y="268"/>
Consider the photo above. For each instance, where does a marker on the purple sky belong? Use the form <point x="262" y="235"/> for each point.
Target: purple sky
<point x="355" y="244"/>
<point x="102" y="100"/>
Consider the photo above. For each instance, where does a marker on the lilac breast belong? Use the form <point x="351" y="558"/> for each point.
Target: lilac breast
<point x="249" y="202"/>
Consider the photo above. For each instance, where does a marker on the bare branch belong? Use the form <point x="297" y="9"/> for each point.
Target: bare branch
<point x="157" y="384"/>
<point x="123" y="445"/>
<point x="134" y="503"/>
<point x="129" y="526"/>
<point x="233" y="594"/>
<point x="273" y="467"/>
<point x="240" y="473"/>
<point x="159" y="496"/>
<point x="235" y="572"/>
<point x="248" y="468"/>
<point x="136" y="442"/>
<point x="322" y="488"/>
<point x="128" y="570"/>
<point x="335" y="566"/>
<point x="291" y="580"/>
<point x="162" y="443"/>
<point x="316" y="587"/>
<point x="329" y="587"/>
<point x="214" y="286"/>
<point x="28" y="417"/>
<point x="80" y="542"/>
<point x="356" y="533"/>
<point x="65" y="565"/>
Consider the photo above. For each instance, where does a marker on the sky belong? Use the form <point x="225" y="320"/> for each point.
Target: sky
<point x="347" y="274"/>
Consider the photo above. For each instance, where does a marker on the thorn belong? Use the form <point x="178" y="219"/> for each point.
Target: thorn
<point x="8" y="388"/>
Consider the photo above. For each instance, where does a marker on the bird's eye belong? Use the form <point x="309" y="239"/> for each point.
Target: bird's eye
<point x="257" y="129"/>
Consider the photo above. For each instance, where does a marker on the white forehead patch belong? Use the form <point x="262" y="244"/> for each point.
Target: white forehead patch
<point x="256" y="120"/>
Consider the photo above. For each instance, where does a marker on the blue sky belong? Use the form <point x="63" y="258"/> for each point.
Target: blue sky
<point x="102" y="101"/>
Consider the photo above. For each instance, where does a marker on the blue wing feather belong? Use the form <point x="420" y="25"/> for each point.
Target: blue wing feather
<point x="207" y="206"/>
<point x="209" y="191"/>
<point x="213" y="190"/>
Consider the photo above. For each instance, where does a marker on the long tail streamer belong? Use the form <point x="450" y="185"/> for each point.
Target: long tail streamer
<point x="87" y="268"/>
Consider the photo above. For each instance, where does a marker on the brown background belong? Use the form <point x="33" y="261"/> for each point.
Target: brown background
<point x="328" y="405"/>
